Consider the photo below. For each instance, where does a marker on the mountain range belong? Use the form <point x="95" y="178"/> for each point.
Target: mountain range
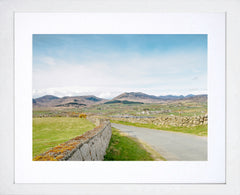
<point x="131" y="97"/>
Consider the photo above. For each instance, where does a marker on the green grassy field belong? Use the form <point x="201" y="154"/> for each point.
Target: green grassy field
<point x="200" y="130"/>
<point x="147" y="109"/>
<point x="123" y="148"/>
<point x="51" y="131"/>
<point x="182" y="108"/>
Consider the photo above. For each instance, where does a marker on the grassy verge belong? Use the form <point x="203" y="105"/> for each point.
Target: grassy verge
<point x="51" y="131"/>
<point x="124" y="148"/>
<point x="200" y="130"/>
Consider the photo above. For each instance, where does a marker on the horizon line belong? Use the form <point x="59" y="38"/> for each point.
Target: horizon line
<point x="118" y="95"/>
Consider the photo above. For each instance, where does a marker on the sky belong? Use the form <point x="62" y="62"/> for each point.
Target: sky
<point x="110" y="64"/>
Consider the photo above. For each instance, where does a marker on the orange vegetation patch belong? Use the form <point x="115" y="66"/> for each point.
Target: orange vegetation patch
<point x="60" y="151"/>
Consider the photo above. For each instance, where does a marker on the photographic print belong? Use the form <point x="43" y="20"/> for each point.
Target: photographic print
<point x="119" y="97"/>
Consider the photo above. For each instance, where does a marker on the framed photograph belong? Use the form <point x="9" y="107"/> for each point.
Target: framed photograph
<point x="119" y="98"/>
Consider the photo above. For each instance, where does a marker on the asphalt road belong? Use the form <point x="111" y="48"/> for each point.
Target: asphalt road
<point x="172" y="146"/>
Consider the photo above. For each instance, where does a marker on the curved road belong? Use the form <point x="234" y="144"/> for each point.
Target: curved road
<point x="172" y="146"/>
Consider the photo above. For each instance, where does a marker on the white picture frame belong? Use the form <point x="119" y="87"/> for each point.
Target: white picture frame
<point x="7" y="176"/>
<point x="210" y="171"/>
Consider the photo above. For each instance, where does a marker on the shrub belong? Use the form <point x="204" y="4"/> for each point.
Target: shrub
<point x="82" y="115"/>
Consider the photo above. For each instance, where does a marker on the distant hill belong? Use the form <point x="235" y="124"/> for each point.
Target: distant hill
<point x="137" y="96"/>
<point x="67" y="101"/>
<point x="124" y="98"/>
<point x="198" y="98"/>
<point x="122" y="102"/>
<point x="171" y="97"/>
<point x="145" y="98"/>
<point x="46" y="98"/>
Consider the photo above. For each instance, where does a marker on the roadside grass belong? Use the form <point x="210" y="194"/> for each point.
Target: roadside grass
<point x="124" y="148"/>
<point x="201" y="130"/>
<point x="51" y="131"/>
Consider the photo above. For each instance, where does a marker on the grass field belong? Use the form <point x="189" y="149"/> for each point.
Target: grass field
<point x="123" y="148"/>
<point x="51" y="131"/>
<point x="183" y="108"/>
<point x="200" y="130"/>
<point x="149" y="109"/>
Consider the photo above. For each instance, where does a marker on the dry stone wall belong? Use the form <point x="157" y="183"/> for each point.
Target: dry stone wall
<point x="178" y="121"/>
<point x="90" y="146"/>
<point x="94" y="119"/>
<point x="94" y="148"/>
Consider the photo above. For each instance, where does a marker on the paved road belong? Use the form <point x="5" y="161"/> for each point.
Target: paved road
<point x="172" y="146"/>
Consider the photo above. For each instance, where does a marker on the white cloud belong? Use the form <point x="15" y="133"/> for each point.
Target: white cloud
<point x="48" y="60"/>
<point x="156" y="75"/>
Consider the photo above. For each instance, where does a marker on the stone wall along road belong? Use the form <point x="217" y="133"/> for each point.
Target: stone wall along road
<point x="177" y="121"/>
<point x="90" y="146"/>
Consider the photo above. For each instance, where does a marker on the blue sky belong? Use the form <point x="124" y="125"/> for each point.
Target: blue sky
<point x="107" y="65"/>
